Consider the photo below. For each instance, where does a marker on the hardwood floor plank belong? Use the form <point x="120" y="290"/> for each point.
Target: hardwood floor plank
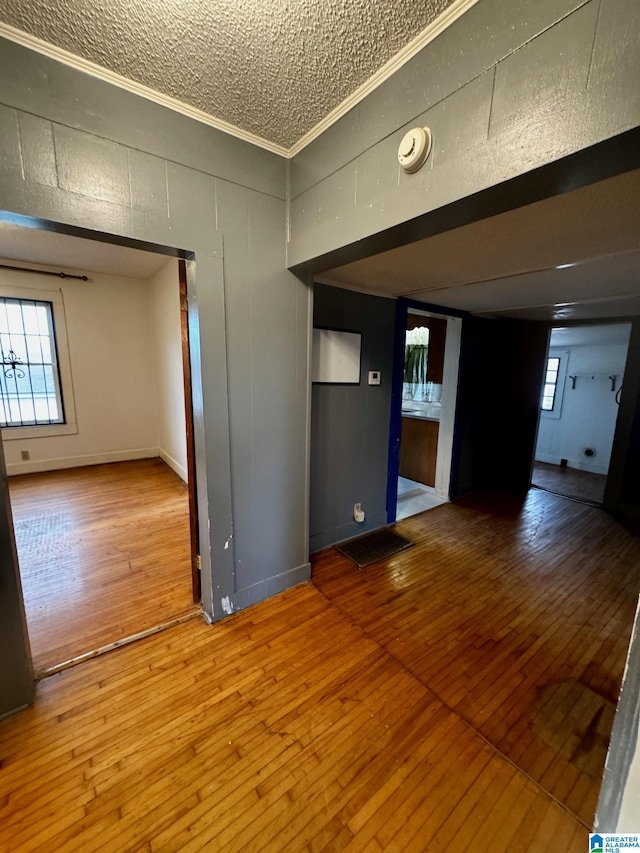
<point x="517" y="615"/>
<point x="284" y="728"/>
<point x="104" y="552"/>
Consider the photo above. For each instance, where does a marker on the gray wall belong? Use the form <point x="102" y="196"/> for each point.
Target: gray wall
<point x="77" y="151"/>
<point x="622" y="492"/>
<point x="507" y="88"/>
<point x="350" y="423"/>
<point x="16" y="675"/>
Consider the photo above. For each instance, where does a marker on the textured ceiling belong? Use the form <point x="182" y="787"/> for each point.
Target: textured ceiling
<point x="273" y="68"/>
<point x="507" y="263"/>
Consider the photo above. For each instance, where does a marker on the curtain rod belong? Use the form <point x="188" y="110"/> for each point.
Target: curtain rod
<point x="45" y="272"/>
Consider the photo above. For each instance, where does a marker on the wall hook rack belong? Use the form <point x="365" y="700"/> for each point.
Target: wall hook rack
<point x="613" y="378"/>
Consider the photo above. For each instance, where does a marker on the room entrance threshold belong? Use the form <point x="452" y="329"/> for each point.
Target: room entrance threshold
<point x="117" y="644"/>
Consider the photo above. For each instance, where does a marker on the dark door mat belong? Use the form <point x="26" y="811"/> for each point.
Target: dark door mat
<point x="374" y="546"/>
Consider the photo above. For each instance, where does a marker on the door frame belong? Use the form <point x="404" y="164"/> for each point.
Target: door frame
<point x="446" y="463"/>
<point x="194" y="528"/>
<point x="188" y="355"/>
<point x="611" y="500"/>
<point x="210" y="404"/>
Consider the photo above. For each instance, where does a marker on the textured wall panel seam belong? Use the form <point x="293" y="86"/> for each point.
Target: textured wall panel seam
<point x="380" y="140"/>
<point x="543" y="31"/>
<point x="411" y="119"/>
<point x="128" y="147"/>
<point x="166" y="195"/>
<point x="20" y="151"/>
<point x="493" y="92"/>
<point x="398" y="131"/>
<point x="287" y="196"/>
<point x="593" y="44"/>
<point x="55" y="149"/>
<point x="129" y="177"/>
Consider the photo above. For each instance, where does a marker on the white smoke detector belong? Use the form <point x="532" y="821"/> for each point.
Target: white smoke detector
<point x="414" y="149"/>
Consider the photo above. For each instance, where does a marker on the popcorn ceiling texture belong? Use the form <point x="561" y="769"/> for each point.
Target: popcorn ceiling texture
<point x="272" y="67"/>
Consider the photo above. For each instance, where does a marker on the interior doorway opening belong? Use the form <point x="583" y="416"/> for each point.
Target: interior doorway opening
<point x="579" y="409"/>
<point x="429" y="389"/>
<point x="103" y="494"/>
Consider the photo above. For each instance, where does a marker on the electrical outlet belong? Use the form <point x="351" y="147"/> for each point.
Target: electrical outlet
<point x="25" y="455"/>
<point x="357" y="508"/>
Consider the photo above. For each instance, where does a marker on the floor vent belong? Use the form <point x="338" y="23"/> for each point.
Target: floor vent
<point x="372" y="547"/>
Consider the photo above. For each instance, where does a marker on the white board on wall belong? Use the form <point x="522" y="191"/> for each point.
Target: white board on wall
<point x="336" y="357"/>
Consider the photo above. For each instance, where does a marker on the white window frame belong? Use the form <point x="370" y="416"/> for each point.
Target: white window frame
<point x="563" y="355"/>
<point x="70" y="426"/>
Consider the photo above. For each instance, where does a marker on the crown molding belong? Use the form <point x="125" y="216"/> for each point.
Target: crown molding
<point x="107" y="76"/>
<point x="435" y="28"/>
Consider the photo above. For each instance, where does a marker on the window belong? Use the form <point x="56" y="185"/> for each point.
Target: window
<point x="550" y="384"/>
<point x="36" y="392"/>
<point x="29" y="379"/>
<point x="554" y="382"/>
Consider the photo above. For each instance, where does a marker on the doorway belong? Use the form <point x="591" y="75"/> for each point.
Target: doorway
<point x="103" y="491"/>
<point x="429" y="379"/>
<point x="579" y="409"/>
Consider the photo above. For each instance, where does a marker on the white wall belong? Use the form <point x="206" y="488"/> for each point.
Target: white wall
<point x="164" y="305"/>
<point x="589" y="412"/>
<point x="112" y="365"/>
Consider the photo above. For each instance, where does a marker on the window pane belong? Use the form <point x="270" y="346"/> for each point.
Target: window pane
<point x="14" y="348"/>
<point x="28" y="375"/>
<point x="43" y="309"/>
<point x="551" y="383"/>
<point x="35" y="350"/>
<point x="30" y="318"/>
<point x="14" y="315"/>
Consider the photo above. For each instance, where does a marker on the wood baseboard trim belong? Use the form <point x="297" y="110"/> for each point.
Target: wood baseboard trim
<point x="117" y="644"/>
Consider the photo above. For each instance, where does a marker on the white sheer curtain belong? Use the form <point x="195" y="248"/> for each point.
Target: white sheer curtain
<point x="416" y="354"/>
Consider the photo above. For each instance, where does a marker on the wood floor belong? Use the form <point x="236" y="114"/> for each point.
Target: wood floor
<point x="517" y="616"/>
<point x="455" y="698"/>
<point x="284" y="729"/>
<point x="104" y="552"/>
<point x="583" y="485"/>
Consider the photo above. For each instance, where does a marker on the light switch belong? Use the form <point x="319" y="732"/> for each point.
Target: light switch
<point x="374" y="377"/>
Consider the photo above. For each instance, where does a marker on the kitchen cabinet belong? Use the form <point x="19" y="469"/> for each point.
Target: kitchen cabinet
<point x="419" y="449"/>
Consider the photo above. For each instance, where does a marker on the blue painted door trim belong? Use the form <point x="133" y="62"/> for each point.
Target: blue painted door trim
<point x="395" y="424"/>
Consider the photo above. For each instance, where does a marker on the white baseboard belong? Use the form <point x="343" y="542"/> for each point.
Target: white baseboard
<point x="34" y="466"/>
<point x="578" y="464"/>
<point x="548" y="460"/>
<point x="174" y="465"/>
